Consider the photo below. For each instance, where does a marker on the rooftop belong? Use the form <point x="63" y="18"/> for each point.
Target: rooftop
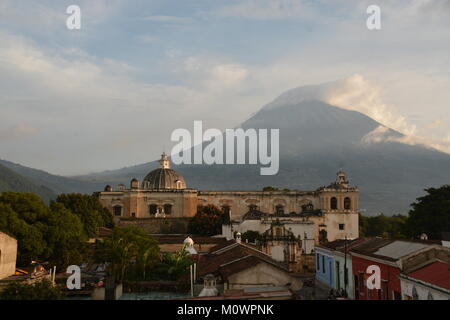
<point x="436" y="273"/>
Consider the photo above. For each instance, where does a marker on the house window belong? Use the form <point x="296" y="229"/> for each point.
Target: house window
<point x="347" y="203"/>
<point x="252" y="207"/>
<point x="341" y="226"/>
<point x="152" y="209"/>
<point x="167" y="208"/>
<point x="414" y="294"/>
<point x="279" y="209"/>
<point x="318" y="262"/>
<point x="117" y="210"/>
<point x="333" y="203"/>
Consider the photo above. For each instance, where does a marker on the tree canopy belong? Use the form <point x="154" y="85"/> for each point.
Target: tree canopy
<point x="42" y="290"/>
<point x="43" y="233"/>
<point x="126" y="248"/>
<point x="207" y="221"/>
<point x="430" y="214"/>
<point x="89" y="209"/>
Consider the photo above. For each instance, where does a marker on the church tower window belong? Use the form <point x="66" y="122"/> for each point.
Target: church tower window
<point x="333" y="203"/>
<point x="347" y="203"/>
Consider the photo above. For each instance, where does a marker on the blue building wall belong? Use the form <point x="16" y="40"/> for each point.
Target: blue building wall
<point x="325" y="266"/>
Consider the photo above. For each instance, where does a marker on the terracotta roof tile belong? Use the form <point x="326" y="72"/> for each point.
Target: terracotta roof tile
<point x="437" y="273"/>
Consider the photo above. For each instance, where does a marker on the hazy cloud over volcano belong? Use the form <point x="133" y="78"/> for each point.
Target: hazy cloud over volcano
<point x="110" y="94"/>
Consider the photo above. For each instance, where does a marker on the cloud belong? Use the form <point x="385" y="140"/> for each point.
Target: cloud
<point x="356" y="93"/>
<point x="384" y="134"/>
<point x="168" y="19"/>
<point x="265" y="9"/>
<point x="19" y="131"/>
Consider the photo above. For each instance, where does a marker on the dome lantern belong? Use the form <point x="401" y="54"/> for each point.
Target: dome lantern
<point x="164" y="177"/>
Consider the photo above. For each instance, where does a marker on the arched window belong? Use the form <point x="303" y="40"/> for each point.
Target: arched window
<point x="333" y="203"/>
<point x="347" y="203"/>
<point x="167" y="208"/>
<point x="152" y="209"/>
<point x="117" y="210"/>
<point x="279" y="209"/>
<point x="252" y="207"/>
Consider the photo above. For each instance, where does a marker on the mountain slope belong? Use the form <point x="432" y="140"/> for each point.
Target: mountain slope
<point x="316" y="140"/>
<point x="57" y="184"/>
<point x="12" y="181"/>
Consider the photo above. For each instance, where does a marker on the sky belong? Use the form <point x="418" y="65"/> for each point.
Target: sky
<point x="110" y="94"/>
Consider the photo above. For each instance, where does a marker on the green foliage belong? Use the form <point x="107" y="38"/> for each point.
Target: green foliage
<point x="10" y="180"/>
<point x="251" y="236"/>
<point x="430" y="214"/>
<point x="270" y="188"/>
<point x="127" y="249"/>
<point x="42" y="290"/>
<point x="91" y="212"/>
<point x="170" y="267"/>
<point x="207" y="221"/>
<point x="383" y="226"/>
<point x="54" y="234"/>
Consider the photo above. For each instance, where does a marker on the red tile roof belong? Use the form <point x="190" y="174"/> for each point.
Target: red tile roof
<point x="437" y="273"/>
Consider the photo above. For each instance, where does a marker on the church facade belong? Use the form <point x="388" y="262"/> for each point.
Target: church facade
<point x="164" y="195"/>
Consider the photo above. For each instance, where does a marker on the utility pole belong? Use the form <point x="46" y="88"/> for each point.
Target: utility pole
<point x="345" y="267"/>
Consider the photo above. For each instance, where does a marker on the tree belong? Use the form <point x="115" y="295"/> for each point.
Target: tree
<point x="43" y="233"/>
<point x="383" y="226"/>
<point x="251" y="236"/>
<point x="66" y="237"/>
<point x="42" y="290"/>
<point x="23" y="216"/>
<point x="430" y="214"/>
<point x="126" y="248"/>
<point x="91" y="212"/>
<point x="270" y="188"/>
<point x="172" y="265"/>
<point x="207" y="221"/>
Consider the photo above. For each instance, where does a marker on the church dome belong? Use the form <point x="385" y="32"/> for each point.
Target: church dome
<point x="164" y="177"/>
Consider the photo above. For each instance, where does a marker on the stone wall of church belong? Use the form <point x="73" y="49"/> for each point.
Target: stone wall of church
<point x="159" y="225"/>
<point x="240" y="201"/>
<point x="136" y="203"/>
